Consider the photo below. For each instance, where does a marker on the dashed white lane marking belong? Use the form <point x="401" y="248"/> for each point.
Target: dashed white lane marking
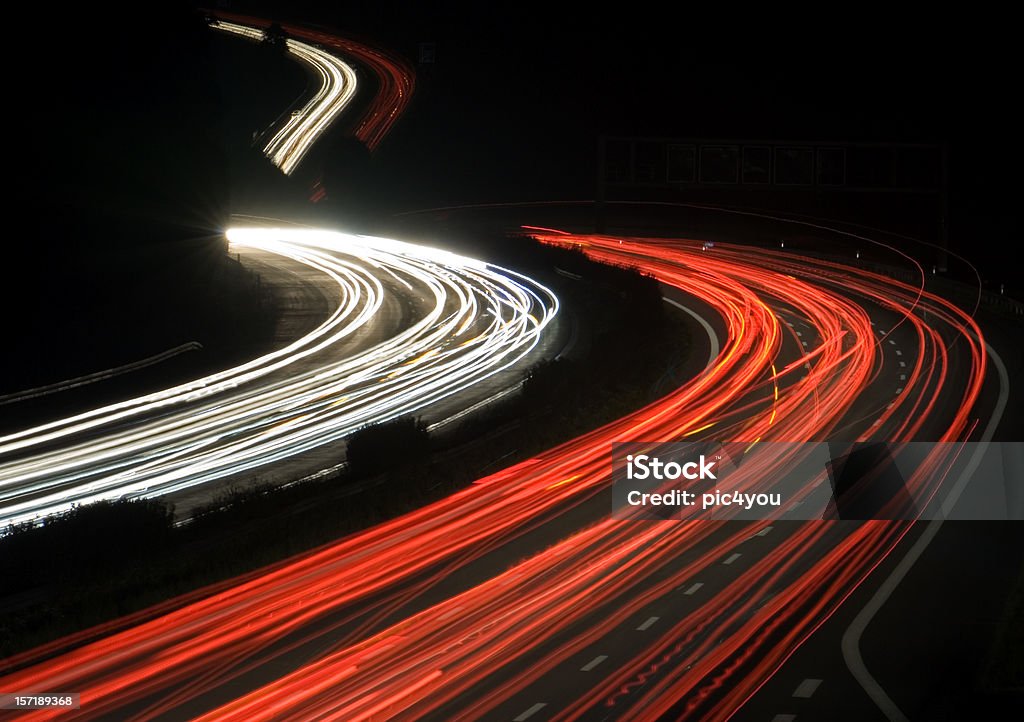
<point x="647" y="625"/>
<point x="804" y="343"/>
<point x="806" y="688"/>
<point x="764" y="531"/>
<point x="892" y="342"/>
<point x="898" y="352"/>
<point x="784" y="718"/>
<point x="594" y="662"/>
<point x="693" y="588"/>
<point x="903" y="377"/>
<point x="899" y="390"/>
<point x="799" y="333"/>
<point x="903" y="364"/>
<point x="732" y="558"/>
<point x="530" y="712"/>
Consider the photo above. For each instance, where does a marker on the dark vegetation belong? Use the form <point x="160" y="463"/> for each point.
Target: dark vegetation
<point x="98" y="563"/>
<point x="392" y="446"/>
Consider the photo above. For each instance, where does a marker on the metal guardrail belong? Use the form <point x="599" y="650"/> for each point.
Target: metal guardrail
<point x="98" y="375"/>
<point x="947" y="287"/>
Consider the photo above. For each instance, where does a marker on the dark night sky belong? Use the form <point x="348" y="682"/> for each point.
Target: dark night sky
<point x="121" y="161"/>
<point x="525" y="87"/>
<point x="519" y="94"/>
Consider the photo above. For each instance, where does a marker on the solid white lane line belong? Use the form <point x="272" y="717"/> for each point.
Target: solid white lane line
<point x="712" y="338"/>
<point x="851" y="637"/>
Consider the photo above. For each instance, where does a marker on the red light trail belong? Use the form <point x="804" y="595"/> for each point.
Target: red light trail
<point x="395" y="77"/>
<point x="446" y="658"/>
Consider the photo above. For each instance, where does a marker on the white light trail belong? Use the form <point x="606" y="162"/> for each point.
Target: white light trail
<point x="337" y="88"/>
<point x="478" y="320"/>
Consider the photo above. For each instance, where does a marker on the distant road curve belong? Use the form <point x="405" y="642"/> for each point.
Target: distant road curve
<point x="305" y="126"/>
<point x="395" y="77"/>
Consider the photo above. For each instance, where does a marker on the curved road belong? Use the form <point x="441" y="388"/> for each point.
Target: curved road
<point x="464" y="322"/>
<point x="519" y="598"/>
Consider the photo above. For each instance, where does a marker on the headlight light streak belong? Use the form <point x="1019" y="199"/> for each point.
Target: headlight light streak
<point x="249" y="416"/>
<point x="337" y="88"/>
<point x="394" y="77"/>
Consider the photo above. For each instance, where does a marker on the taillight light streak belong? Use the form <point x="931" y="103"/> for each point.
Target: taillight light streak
<point x="758" y="388"/>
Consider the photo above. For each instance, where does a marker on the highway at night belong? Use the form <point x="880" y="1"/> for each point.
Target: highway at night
<point x="482" y="605"/>
<point x="477" y="578"/>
